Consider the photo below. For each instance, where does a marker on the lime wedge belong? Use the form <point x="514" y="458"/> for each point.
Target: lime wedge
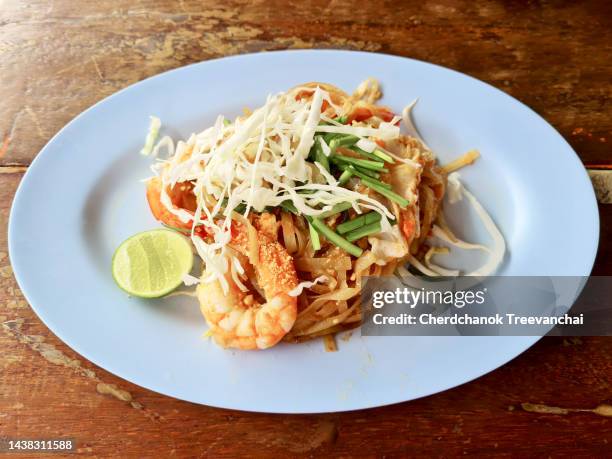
<point x="153" y="263"/>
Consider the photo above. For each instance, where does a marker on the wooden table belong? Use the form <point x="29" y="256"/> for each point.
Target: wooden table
<point x="57" y="58"/>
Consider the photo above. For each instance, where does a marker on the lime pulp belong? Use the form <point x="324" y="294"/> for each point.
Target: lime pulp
<point x="152" y="263"/>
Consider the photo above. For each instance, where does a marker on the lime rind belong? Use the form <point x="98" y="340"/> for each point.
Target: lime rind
<point x="152" y="263"/>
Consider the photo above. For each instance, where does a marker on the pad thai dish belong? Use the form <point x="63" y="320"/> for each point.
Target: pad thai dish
<point x="292" y="204"/>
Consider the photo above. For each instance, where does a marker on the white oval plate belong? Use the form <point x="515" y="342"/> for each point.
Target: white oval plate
<point x="82" y="196"/>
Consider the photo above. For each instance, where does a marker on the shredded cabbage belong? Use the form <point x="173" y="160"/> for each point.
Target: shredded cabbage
<point x="154" y="127"/>
<point x="260" y="160"/>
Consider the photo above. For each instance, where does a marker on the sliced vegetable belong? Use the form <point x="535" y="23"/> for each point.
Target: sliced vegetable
<point x="330" y="136"/>
<point x="154" y="126"/>
<point x="384" y="156"/>
<point x="368" y="155"/>
<point x="324" y="146"/>
<point x="240" y="208"/>
<point x="334" y="237"/>
<point x="341" y="207"/>
<point x="363" y="163"/>
<point x="343" y="141"/>
<point x="345" y="177"/>
<point x="314" y="237"/>
<point x="372" y="217"/>
<point x="372" y="174"/>
<point x="320" y="157"/>
<point x="312" y="153"/>
<point x="364" y="173"/>
<point x="289" y="207"/>
<point x="365" y="230"/>
<point x="376" y="186"/>
<point x="357" y="222"/>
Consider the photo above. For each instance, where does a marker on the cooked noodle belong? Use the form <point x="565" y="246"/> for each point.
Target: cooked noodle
<point x="403" y="239"/>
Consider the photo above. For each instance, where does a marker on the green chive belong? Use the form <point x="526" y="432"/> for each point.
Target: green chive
<point x="357" y="222"/>
<point x="343" y="141"/>
<point x="403" y="202"/>
<point x="289" y="207"/>
<point x="374" y="180"/>
<point x="314" y="237"/>
<point x="365" y="230"/>
<point x="320" y="156"/>
<point x="336" y="209"/>
<point x="350" y="225"/>
<point x="312" y="154"/>
<point x="334" y="237"/>
<point x="384" y="156"/>
<point x="371" y="156"/>
<point x="344" y="177"/>
<point x="322" y="160"/>
<point x="363" y="163"/>
<point x="342" y="119"/>
<point x="240" y="208"/>
<point x="329" y="136"/>
<point x="365" y="174"/>
<point x="372" y="174"/>
<point x="372" y="217"/>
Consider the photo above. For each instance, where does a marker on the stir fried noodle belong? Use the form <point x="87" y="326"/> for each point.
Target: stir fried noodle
<point x="291" y="205"/>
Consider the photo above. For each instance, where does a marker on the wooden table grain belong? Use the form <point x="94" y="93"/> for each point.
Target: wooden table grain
<point x="59" y="57"/>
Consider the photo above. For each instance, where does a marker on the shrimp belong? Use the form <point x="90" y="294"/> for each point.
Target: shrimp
<point x="181" y="196"/>
<point x="236" y="318"/>
<point x="267" y="224"/>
